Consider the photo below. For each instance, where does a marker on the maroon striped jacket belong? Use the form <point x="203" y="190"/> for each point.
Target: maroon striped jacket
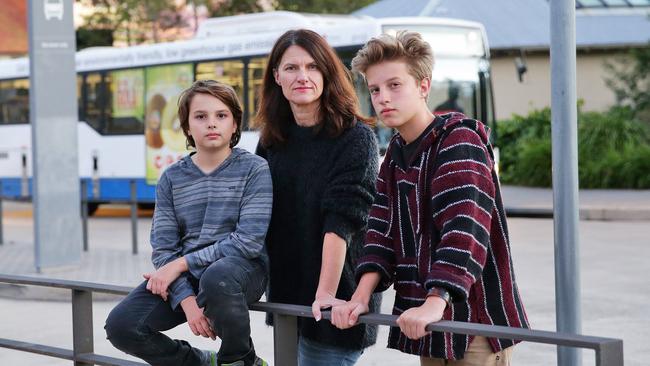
<point x="438" y="221"/>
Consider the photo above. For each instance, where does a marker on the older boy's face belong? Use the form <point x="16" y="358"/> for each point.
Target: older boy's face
<point x="396" y="96"/>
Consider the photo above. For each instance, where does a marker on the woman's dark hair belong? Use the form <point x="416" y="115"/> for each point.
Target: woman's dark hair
<point x="339" y="106"/>
<point x="219" y="90"/>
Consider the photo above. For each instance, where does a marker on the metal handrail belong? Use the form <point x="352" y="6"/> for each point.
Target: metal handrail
<point x="609" y="351"/>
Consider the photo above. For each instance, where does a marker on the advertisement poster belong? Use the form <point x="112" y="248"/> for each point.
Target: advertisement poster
<point x="128" y="97"/>
<point x="165" y="142"/>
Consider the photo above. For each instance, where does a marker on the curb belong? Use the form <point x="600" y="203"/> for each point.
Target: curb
<point x="587" y="214"/>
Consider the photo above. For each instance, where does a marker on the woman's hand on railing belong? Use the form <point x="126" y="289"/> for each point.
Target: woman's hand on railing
<point x="323" y="301"/>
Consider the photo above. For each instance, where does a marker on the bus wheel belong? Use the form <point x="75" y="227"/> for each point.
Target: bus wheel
<point x="92" y="208"/>
<point x="146" y="206"/>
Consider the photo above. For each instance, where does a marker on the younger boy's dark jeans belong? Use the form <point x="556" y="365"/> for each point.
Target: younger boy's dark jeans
<point x="225" y="290"/>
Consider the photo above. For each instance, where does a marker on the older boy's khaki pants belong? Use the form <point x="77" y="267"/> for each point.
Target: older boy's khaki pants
<point x="479" y="353"/>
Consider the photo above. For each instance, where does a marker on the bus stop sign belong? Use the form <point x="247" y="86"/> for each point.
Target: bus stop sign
<point x="53" y="117"/>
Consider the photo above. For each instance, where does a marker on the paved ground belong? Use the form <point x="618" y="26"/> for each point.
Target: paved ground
<point x="595" y="204"/>
<point x="614" y="284"/>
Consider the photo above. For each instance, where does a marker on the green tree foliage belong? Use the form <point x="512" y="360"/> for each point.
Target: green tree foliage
<point x="138" y="21"/>
<point x="229" y="7"/>
<point x="133" y="21"/>
<point x="322" y="6"/>
<point x="613" y="149"/>
<point x="630" y="81"/>
<point x="233" y="7"/>
<point x="87" y="37"/>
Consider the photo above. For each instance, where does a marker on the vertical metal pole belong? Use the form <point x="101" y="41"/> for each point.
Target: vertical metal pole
<point x="285" y="340"/>
<point x="84" y="213"/>
<point x="134" y="217"/>
<point x="82" y="324"/>
<point x="565" y="175"/>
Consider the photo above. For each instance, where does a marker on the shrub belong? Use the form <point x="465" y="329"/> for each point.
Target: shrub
<point x="613" y="150"/>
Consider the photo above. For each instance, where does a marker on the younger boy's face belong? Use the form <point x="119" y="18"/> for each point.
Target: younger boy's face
<point x="211" y="123"/>
<point x="396" y="96"/>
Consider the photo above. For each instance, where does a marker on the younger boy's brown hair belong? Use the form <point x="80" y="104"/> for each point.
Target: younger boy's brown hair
<point x="404" y="46"/>
<point x="219" y="90"/>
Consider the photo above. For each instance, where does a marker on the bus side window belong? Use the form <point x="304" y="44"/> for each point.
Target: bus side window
<point x="81" y="108"/>
<point x="95" y="101"/>
<point x="230" y="72"/>
<point x="14" y="101"/>
<point x="125" y="102"/>
<point x="256" y="67"/>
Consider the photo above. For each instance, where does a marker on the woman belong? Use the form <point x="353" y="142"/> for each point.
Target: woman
<point x="323" y="161"/>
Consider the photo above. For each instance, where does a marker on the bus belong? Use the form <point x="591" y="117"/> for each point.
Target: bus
<point x="128" y="130"/>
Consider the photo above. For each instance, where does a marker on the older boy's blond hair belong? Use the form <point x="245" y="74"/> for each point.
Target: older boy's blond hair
<point x="405" y="46"/>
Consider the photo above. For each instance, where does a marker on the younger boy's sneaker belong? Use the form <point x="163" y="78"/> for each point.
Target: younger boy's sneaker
<point x="258" y="362"/>
<point x="209" y="358"/>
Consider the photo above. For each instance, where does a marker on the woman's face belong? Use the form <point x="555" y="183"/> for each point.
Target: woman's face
<point x="300" y="78"/>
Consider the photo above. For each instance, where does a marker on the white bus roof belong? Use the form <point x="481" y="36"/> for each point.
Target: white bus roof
<point x="430" y="20"/>
<point x="232" y="37"/>
<point x="276" y="21"/>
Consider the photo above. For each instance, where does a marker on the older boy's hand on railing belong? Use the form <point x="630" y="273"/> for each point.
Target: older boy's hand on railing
<point x="198" y="322"/>
<point x="413" y="321"/>
<point x="158" y="282"/>
<point x="346" y="315"/>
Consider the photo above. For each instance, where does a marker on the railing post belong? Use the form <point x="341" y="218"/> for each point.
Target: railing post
<point x="610" y="354"/>
<point x="134" y="217"/>
<point x="285" y="340"/>
<point x="84" y="213"/>
<point x="82" y="324"/>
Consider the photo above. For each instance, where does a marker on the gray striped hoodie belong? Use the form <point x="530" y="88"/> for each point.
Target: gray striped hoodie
<point x="205" y="217"/>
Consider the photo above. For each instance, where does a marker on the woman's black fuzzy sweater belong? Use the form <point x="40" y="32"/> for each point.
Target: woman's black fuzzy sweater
<point x="320" y="184"/>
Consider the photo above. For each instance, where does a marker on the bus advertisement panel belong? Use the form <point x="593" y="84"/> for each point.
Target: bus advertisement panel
<point x="165" y="142"/>
<point x="128" y="93"/>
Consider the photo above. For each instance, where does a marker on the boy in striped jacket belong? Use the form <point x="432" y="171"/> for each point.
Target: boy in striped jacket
<point x="437" y="230"/>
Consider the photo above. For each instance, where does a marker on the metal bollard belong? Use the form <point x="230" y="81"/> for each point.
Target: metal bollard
<point x="24" y="180"/>
<point x="134" y="217"/>
<point x="95" y="176"/>
<point x="84" y="213"/>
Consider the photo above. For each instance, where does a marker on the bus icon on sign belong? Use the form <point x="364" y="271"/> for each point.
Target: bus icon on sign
<point x="53" y="9"/>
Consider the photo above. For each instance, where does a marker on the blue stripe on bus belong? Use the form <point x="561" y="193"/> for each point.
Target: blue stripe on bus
<point x="110" y="189"/>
